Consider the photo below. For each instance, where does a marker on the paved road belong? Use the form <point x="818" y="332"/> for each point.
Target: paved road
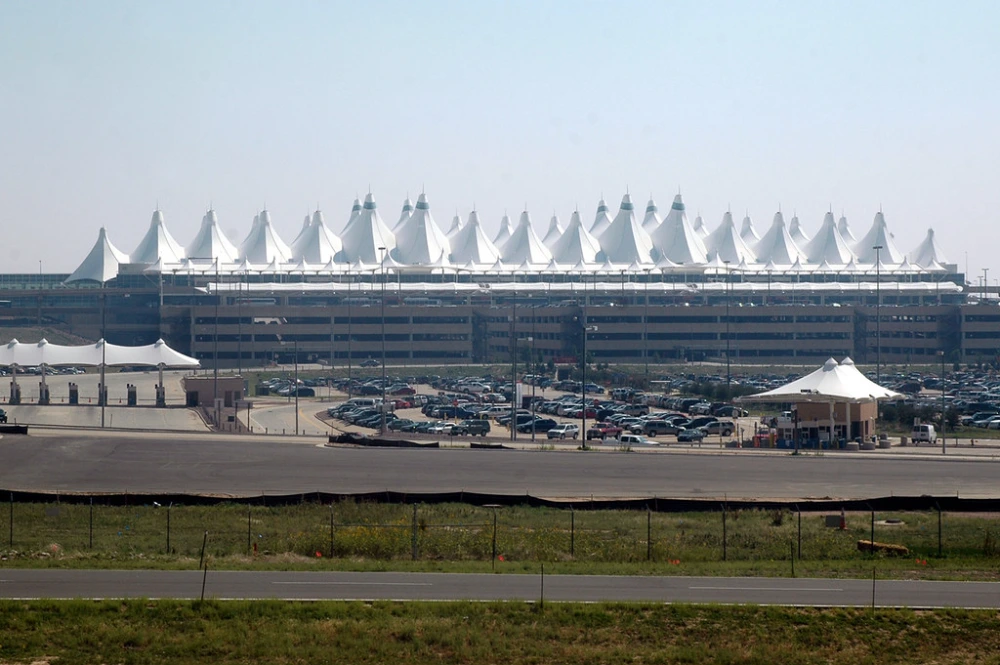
<point x="440" y="586"/>
<point x="250" y="466"/>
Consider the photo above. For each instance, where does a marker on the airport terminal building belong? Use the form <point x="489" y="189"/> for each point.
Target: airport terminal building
<point x="650" y="290"/>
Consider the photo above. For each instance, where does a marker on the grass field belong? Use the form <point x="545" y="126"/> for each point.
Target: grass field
<point x="276" y="632"/>
<point x="460" y="537"/>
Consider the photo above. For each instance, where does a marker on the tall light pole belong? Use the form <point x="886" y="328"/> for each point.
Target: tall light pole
<point x="534" y="378"/>
<point x="382" y="255"/>
<point x="215" y="351"/>
<point x="943" y="419"/>
<point x="350" y="378"/>
<point x="295" y="350"/>
<point x="728" y="373"/>
<point x="513" y="362"/>
<point x="878" y="315"/>
<point x="583" y="386"/>
<point x="986" y="283"/>
<point x="645" y="325"/>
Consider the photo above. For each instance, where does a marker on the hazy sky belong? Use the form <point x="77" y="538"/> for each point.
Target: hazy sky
<point x="108" y="108"/>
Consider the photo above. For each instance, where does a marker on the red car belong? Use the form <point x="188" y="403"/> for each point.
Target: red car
<point x="603" y="431"/>
<point x="402" y="390"/>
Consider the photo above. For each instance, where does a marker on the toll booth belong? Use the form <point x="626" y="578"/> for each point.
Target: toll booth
<point x="102" y="394"/>
<point x="74" y="394"/>
<point x="15" y="393"/>
<point x="43" y="393"/>
<point x="131" y="397"/>
<point x="161" y="396"/>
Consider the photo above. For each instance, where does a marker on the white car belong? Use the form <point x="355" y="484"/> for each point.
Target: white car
<point x="565" y="431"/>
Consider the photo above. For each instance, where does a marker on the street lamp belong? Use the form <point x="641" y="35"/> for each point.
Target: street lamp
<point x="513" y="362"/>
<point x="878" y="315"/>
<point x="295" y="350"/>
<point x="728" y="374"/>
<point x="382" y="426"/>
<point x="645" y="325"/>
<point x="944" y="421"/>
<point x="583" y="387"/>
<point x="534" y="379"/>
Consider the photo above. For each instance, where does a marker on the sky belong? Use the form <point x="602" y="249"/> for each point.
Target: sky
<point x="109" y="109"/>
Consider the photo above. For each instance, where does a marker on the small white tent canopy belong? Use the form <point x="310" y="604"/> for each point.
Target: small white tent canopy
<point x="15" y="353"/>
<point x="211" y="242"/>
<point x="601" y="221"/>
<point x="102" y="263"/>
<point x="833" y="382"/>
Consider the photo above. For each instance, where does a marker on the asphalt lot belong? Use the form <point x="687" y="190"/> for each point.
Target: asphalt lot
<point x="250" y="466"/>
<point x="23" y="584"/>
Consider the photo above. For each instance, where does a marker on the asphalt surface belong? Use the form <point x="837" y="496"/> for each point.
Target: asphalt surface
<point x="23" y="584"/>
<point x="251" y="466"/>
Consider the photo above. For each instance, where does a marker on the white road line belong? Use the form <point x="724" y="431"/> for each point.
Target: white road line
<point x="354" y="583"/>
<point x="756" y="588"/>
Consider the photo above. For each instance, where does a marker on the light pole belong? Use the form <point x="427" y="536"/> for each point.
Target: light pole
<point x="382" y="427"/>
<point x="986" y="282"/>
<point x="645" y="325"/>
<point x="944" y="421"/>
<point x="534" y="378"/>
<point x="295" y="350"/>
<point x="878" y="315"/>
<point x="728" y="374"/>
<point x="215" y="351"/>
<point x="583" y="386"/>
<point x="104" y="350"/>
<point x="350" y="378"/>
<point x="513" y="363"/>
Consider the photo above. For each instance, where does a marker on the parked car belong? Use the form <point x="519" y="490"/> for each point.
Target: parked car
<point x="652" y="428"/>
<point x="603" y="431"/>
<point x="371" y="362"/>
<point x="3" y="416"/>
<point x="472" y="427"/>
<point x="720" y="427"/>
<point x="398" y="424"/>
<point x="634" y="440"/>
<point x="690" y="435"/>
<point x="564" y="431"/>
<point x="540" y="426"/>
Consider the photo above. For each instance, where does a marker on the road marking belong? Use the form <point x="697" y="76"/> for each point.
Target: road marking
<point x="355" y="583"/>
<point x="756" y="588"/>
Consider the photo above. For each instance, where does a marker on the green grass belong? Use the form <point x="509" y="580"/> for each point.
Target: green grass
<point x="459" y="538"/>
<point x="139" y="631"/>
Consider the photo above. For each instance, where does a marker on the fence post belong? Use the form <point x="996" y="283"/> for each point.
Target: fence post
<point x="249" y="530"/>
<point x="649" y="534"/>
<point x="724" y="553"/>
<point x="413" y="534"/>
<point x="204" y="543"/>
<point x="331" y="529"/>
<point x="939" y="530"/>
<point x="572" y="532"/>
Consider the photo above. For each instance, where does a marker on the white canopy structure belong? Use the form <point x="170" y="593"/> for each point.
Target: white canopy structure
<point x="420" y="241"/>
<point x="576" y="244"/>
<point x="524" y="245"/>
<point x="264" y="245"/>
<point x="157" y="244"/>
<point x="404" y="214"/>
<point x="833" y="382"/>
<point x="503" y="235"/>
<point x="878" y="235"/>
<point x="456" y="226"/>
<point x="676" y="238"/>
<point x="927" y="253"/>
<point x="845" y="231"/>
<point x="211" y="242"/>
<point x="749" y="232"/>
<point x="366" y="234"/>
<point x="727" y="244"/>
<point x="798" y="235"/>
<point x="553" y="233"/>
<point x="625" y="241"/>
<point x="15" y="353"/>
<point x="601" y="221"/>
<point x="828" y="246"/>
<point x="776" y="246"/>
<point x="355" y="213"/>
<point x="471" y="244"/>
<point x="317" y="244"/>
<point x="699" y="227"/>
<point x="652" y="218"/>
<point x="102" y="262"/>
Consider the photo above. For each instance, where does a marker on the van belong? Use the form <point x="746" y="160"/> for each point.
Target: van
<point x="364" y="402"/>
<point x="923" y="433"/>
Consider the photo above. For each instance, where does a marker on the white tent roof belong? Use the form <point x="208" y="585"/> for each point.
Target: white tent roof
<point x="878" y="234"/>
<point x="727" y="244"/>
<point x="828" y="246"/>
<point x="93" y="355"/>
<point x="456" y="226"/>
<point x="776" y="245"/>
<point x="576" y="244"/>
<point x="157" y="244"/>
<point x="652" y="218"/>
<point x="795" y="230"/>
<point x="699" y="227"/>
<point x="305" y="226"/>
<point x="927" y="252"/>
<point x="833" y="382"/>
<point x="250" y="235"/>
<point x="749" y="232"/>
<point x="845" y="231"/>
<point x="472" y="244"/>
<point x="317" y="243"/>
<point x="355" y="213"/>
<point x="365" y="235"/>
<point x="420" y="241"/>
<point x="101" y="263"/>
<point x="503" y="235"/>
<point x="404" y="214"/>
<point x="601" y="221"/>
<point x="625" y="240"/>
<point x="553" y="233"/>
<point x="265" y="245"/>
<point x="524" y="245"/>
<point x="676" y="238"/>
<point x="211" y="242"/>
